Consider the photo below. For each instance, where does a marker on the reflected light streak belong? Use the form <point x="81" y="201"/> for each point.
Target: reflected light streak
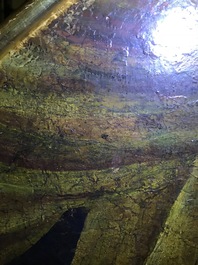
<point x="176" y="34"/>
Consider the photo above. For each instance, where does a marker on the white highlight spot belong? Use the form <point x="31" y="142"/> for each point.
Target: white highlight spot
<point x="176" y="34"/>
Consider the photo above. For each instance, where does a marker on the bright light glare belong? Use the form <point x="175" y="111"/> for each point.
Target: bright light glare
<point x="176" y="34"/>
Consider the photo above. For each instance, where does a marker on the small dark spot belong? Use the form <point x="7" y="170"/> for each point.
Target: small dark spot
<point x="104" y="136"/>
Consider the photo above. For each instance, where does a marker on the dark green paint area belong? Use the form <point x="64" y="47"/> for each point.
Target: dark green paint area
<point x="58" y="245"/>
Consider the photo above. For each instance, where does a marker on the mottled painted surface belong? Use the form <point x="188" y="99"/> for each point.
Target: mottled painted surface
<point x="92" y="115"/>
